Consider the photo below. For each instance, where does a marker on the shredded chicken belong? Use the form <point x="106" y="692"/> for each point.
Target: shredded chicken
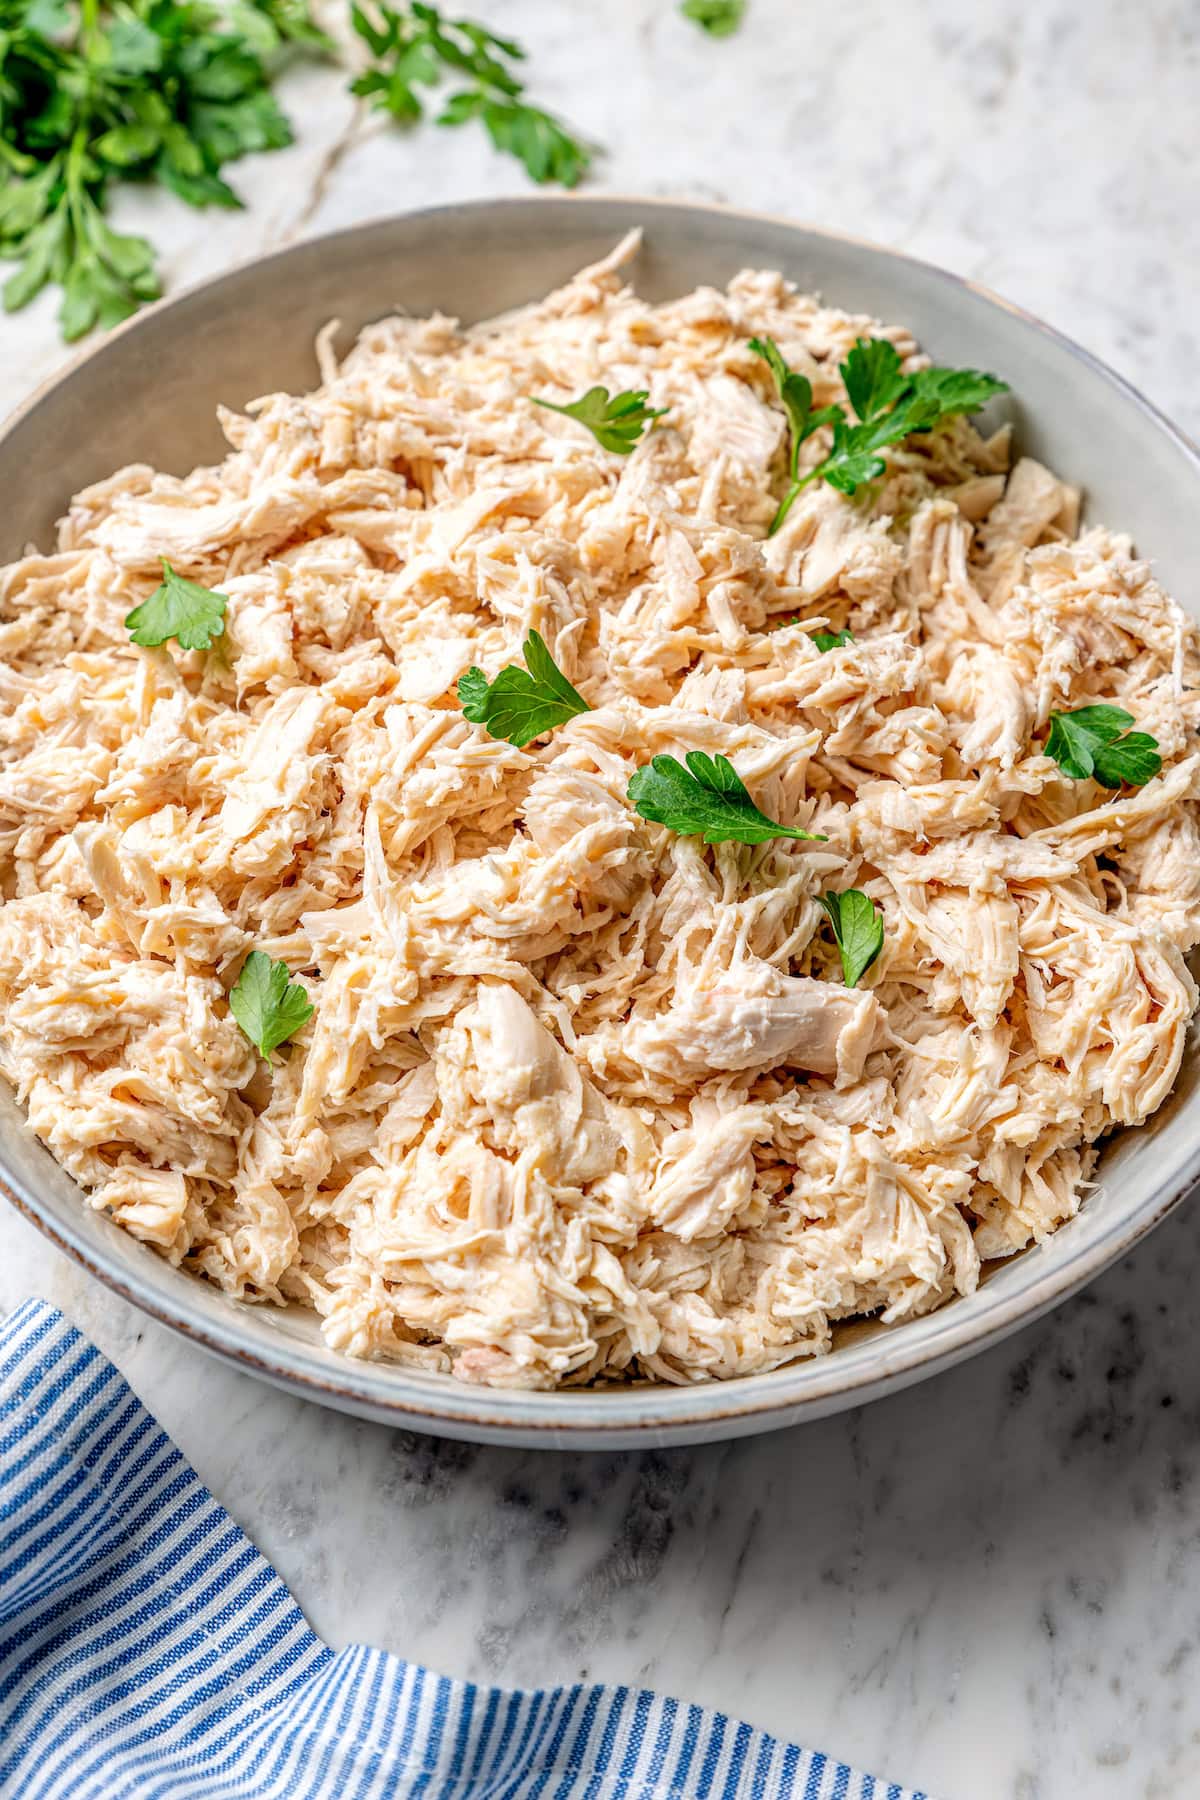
<point x="582" y="1099"/>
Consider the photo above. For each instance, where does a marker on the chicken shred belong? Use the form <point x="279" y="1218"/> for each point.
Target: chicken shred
<point x="582" y="1099"/>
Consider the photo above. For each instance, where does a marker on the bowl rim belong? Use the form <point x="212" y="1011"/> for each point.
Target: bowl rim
<point x="650" y="1413"/>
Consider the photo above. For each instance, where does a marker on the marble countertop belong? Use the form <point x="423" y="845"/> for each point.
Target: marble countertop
<point x="988" y="1586"/>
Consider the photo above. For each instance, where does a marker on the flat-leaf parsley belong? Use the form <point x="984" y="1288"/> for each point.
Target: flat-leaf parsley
<point x="889" y="406"/>
<point x="707" y="799"/>
<point x="267" y="1004"/>
<point x="179" y="609"/>
<point x="1096" y="741"/>
<point x="858" y="931"/>
<point x="616" y="421"/>
<point x="720" y="18"/>
<point x="415" y="47"/>
<point x="521" y="704"/>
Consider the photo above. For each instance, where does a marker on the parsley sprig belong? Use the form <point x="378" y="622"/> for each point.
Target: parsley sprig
<point x="521" y="704"/>
<point x="720" y="18"/>
<point x="268" y="1005"/>
<point x="888" y="405"/>
<point x="96" y="92"/>
<point x="179" y="609"/>
<point x="414" y="47"/>
<point x="707" y="799"/>
<point x="167" y="91"/>
<point x="616" y="421"/>
<point x="1096" y="742"/>
<point x="831" y="640"/>
<point x="857" y="929"/>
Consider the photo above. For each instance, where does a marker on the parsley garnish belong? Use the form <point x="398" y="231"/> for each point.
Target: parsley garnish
<point x="707" y="798"/>
<point x="858" y="930"/>
<point x="167" y="91"/>
<point x="520" y="706"/>
<point x="267" y="1004"/>
<point x="179" y="609"/>
<point x="1096" y="741"/>
<point x="616" y="421"/>
<point x="795" y="390"/>
<point x="415" y="47"/>
<point x="831" y="640"/>
<point x="889" y="406"/>
<point x="720" y="18"/>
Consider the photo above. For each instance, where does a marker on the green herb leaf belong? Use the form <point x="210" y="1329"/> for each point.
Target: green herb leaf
<point x="126" y="145"/>
<point x="956" y="390"/>
<point x="854" y="459"/>
<point x="267" y="1004"/>
<point x="616" y="421"/>
<point x="873" y="377"/>
<point x="179" y="609"/>
<point x="415" y="47"/>
<point x="1095" y="741"/>
<point x="548" y="150"/>
<point x="521" y="704"/>
<point x="720" y="18"/>
<point x="892" y="406"/>
<point x="162" y="90"/>
<point x="795" y="391"/>
<point x="858" y="930"/>
<point x="707" y="798"/>
<point x="889" y="406"/>
<point x="831" y="640"/>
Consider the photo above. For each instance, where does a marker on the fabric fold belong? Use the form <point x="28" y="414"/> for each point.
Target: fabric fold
<point x="149" y="1652"/>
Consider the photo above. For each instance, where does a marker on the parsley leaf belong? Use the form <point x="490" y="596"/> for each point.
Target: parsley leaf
<point x="956" y="390"/>
<point x="414" y="47"/>
<point x="616" y="421"/>
<point x="707" y="798"/>
<point x="889" y="406"/>
<point x="720" y="18"/>
<point x="831" y="640"/>
<point x="520" y="706"/>
<point x="857" y="928"/>
<point x="537" y="139"/>
<point x="1096" y="741"/>
<point x="149" y="90"/>
<point x="873" y="377"/>
<point x="267" y="1004"/>
<point x="179" y="609"/>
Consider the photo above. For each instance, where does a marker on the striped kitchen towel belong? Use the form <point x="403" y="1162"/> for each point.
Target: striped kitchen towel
<point x="148" y="1652"/>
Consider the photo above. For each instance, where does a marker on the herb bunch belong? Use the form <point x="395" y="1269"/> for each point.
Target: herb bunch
<point x="414" y="47"/>
<point x="165" y="91"/>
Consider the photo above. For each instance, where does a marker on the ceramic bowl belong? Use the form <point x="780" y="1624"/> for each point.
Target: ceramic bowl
<point x="148" y="393"/>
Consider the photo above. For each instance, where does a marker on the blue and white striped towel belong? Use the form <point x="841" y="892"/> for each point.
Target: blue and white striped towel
<point x="148" y="1652"/>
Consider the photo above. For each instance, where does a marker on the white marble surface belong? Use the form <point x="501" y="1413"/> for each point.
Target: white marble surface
<point x="989" y="1586"/>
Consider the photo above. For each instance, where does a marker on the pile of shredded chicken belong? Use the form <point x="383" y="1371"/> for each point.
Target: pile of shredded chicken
<point x="581" y="1098"/>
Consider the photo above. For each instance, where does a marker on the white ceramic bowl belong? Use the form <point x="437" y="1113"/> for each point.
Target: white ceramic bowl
<point x="148" y="392"/>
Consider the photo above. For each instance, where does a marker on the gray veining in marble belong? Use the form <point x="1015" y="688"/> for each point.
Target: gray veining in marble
<point x="990" y="1585"/>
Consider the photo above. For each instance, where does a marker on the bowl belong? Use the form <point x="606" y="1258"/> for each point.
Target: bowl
<point x="148" y="393"/>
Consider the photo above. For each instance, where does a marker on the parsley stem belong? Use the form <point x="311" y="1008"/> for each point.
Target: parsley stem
<point x="89" y="20"/>
<point x="75" y="189"/>
<point x="790" y="498"/>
